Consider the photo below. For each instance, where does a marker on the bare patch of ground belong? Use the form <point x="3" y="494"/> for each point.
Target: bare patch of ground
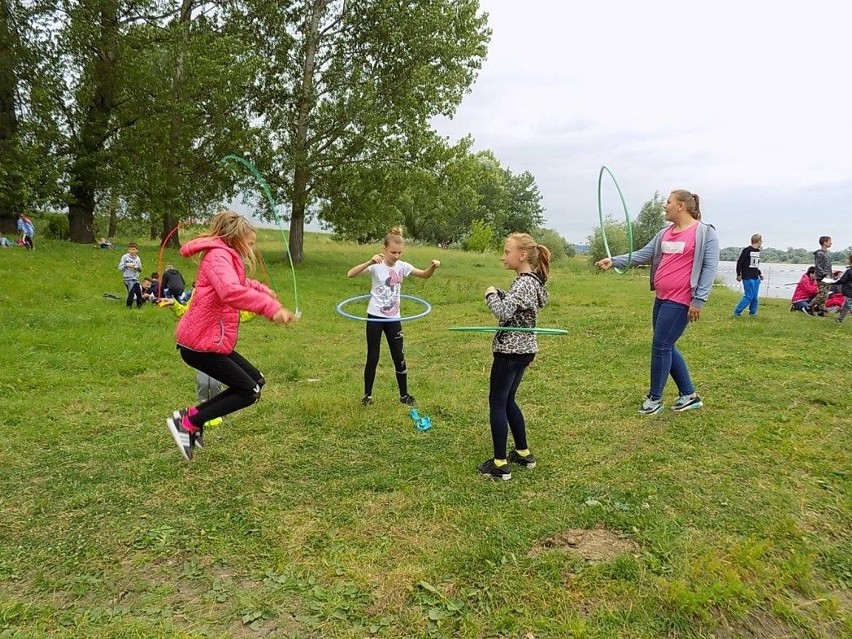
<point x="596" y="545"/>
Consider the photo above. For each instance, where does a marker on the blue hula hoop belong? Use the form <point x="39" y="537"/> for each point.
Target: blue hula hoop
<point x="427" y="306"/>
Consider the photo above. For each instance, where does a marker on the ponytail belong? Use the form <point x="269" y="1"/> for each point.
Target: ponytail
<point x="690" y="201"/>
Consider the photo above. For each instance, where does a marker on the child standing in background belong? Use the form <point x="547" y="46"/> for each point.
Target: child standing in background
<point x="822" y="264"/>
<point x="748" y="272"/>
<point x="387" y="272"/>
<point x="27" y="230"/>
<point x="208" y="332"/>
<point x="513" y="351"/>
<point x="130" y="266"/>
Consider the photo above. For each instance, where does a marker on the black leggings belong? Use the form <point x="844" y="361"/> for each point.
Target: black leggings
<point x="134" y="291"/>
<point x="243" y="380"/>
<point x="507" y="371"/>
<point x="393" y="334"/>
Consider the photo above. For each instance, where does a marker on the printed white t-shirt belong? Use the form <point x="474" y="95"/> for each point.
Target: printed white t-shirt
<point x="387" y="287"/>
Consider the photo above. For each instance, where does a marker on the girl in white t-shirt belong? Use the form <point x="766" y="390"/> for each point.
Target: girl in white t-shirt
<point x="387" y="272"/>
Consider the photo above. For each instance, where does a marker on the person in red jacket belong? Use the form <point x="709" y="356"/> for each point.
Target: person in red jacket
<point x="806" y="290"/>
<point x="207" y="334"/>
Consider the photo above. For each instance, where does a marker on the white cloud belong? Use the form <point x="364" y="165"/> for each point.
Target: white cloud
<point x="745" y="103"/>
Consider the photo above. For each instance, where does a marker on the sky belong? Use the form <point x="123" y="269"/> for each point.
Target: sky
<point x="745" y="103"/>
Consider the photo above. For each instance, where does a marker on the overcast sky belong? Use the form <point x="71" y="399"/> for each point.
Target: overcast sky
<point x="746" y="103"/>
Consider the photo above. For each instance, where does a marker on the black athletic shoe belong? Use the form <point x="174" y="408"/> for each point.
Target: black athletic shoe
<point x="407" y="400"/>
<point x="526" y="462"/>
<point x="491" y="470"/>
<point x="366" y="400"/>
<point x="196" y="437"/>
<point x="181" y="436"/>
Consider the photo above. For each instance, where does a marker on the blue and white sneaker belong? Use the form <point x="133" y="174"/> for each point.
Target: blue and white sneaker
<point x="182" y="437"/>
<point x="687" y="402"/>
<point x="196" y="436"/>
<point x="651" y="406"/>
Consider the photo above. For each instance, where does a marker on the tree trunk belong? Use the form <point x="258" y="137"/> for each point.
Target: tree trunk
<point x="81" y="219"/>
<point x="175" y="128"/>
<point x="10" y="201"/>
<point x="297" y="218"/>
<point x="169" y="223"/>
<point x="305" y="103"/>
<point x="94" y="131"/>
<point x="112" y="228"/>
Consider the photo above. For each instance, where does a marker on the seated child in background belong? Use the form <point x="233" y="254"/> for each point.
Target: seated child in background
<point x="147" y="294"/>
<point x="806" y="290"/>
<point x="4" y="241"/>
<point x="845" y="283"/>
<point x="187" y="294"/>
<point x="155" y="285"/>
<point x="105" y="243"/>
<point x="173" y="284"/>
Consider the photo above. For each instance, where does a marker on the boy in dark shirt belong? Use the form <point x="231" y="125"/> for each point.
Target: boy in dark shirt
<point x="173" y="282"/>
<point x="748" y="272"/>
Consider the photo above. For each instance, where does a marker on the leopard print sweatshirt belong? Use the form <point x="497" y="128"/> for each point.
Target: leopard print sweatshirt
<point x="518" y="307"/>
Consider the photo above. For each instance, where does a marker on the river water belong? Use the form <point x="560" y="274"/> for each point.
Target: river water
<point x="779" y="280"/>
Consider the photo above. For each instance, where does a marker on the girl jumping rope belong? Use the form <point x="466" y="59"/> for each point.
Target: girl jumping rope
<point x="514" y="350"/>
<point x="387" y="272"/>
<point x="684" y="258"/>
<point x="207" y="333"/>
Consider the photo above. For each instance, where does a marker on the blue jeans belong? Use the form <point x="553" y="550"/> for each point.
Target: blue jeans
<point x="750" y="290"/>
<point x="669" y="322"/>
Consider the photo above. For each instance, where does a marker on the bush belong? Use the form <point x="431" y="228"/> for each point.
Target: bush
<point x="616" y="236"/>
<point x="57" y="227"/>
<point x="553" y="241"/>
<point x="481" y="237"/>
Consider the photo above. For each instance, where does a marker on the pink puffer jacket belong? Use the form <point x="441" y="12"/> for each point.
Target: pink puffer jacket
<point x="212" y="322"/>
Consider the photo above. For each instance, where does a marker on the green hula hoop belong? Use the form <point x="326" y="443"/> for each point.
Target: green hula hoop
<point x="626" y="218"/>
<point x="267" y="192"/>
<point x="518" y="329"/>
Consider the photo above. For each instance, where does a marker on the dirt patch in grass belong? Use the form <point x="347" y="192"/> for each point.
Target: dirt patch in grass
<point x="596" y="545"/>
<point x="758" y="625"/>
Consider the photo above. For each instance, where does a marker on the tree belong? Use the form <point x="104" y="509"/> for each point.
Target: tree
<point x="346" y="83"/>
<point x="616" y="238"/>
<point x="28" y="168"/>
<point x="556" y="244"/>
<point x="189" y="91"/>
<point x="481" y="237"/>
<point x="524" y="212"/>
<point x="649" y="221"/>
<point x="423" y="193"/>
<point x="10" y="188"/>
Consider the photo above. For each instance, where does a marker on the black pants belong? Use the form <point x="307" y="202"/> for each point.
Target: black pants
<point x="243" y="380"/>
<point x="507" y="371"/>
<point x="134" y="291"/>
<point x="28" y="242"/>
<point x="393" y="334"/>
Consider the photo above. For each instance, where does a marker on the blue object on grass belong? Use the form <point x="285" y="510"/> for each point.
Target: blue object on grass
<point x="422" y="423"/>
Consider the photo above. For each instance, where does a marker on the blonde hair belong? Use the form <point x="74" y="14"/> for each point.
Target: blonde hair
<point x="234" y="230"/>
<point x="394" y="235"/>
<point x="690" y="200"/>
<point x="757" y="237"/>
<point x="538" y="255"/>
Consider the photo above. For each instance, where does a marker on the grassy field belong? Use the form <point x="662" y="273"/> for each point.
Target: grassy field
<point x="308" y="515"/>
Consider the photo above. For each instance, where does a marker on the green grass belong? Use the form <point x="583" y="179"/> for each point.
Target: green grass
<point x="310" y="516"/>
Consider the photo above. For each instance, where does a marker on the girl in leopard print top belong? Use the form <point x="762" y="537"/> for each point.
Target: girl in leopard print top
<point x="514" y="350"/>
